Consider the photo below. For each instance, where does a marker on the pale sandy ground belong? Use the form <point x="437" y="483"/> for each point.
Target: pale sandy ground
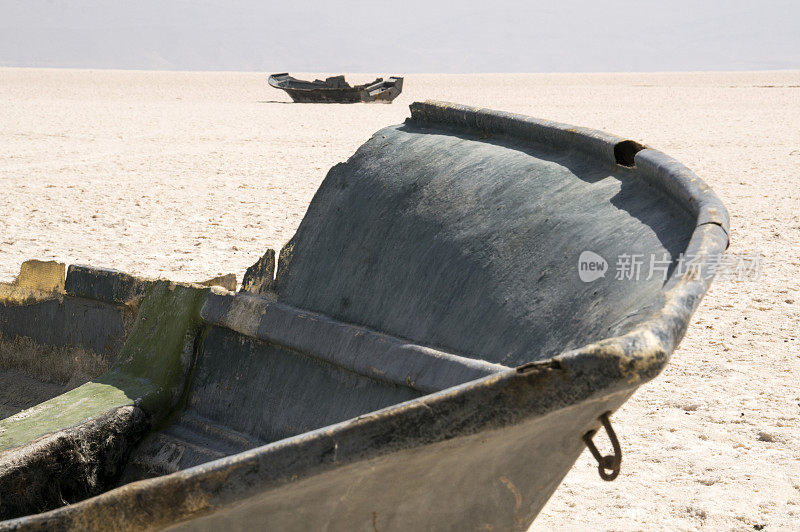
<point x="190" y="175"/>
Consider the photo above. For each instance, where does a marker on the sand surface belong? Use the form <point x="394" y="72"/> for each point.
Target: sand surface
<point x="192" y="175"/>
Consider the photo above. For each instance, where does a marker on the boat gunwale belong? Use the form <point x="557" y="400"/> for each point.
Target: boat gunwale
<point x="349" y="88"/>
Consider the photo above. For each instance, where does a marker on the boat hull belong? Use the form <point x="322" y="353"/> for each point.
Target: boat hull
<point x="337" y="90"/>
<point x="324" y="95"/>
<point x="425" y="356"/>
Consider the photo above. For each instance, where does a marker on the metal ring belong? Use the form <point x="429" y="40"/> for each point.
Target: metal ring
<point x="608" y="466"/>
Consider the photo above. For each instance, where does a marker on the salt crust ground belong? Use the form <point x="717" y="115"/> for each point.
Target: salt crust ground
<point x="191" y="175"/>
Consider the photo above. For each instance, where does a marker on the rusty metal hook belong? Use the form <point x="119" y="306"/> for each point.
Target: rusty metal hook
<point x="608" y="466"/>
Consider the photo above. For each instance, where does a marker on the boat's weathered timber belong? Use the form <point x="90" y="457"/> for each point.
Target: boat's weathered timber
<point x="426" y="355"/>
<point x="336" y="90"/>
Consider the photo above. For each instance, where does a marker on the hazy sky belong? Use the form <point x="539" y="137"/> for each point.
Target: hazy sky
<point x="402" y="36"/>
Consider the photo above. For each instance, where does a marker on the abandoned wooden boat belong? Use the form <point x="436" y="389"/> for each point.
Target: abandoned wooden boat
<point x="427" y="354"/>
<point x="336" y="90"/>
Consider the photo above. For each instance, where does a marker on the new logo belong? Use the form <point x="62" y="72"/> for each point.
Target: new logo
<point x="591" y="266"/>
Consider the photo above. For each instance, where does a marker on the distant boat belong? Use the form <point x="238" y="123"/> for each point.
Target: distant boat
<point x="336" y="90"/>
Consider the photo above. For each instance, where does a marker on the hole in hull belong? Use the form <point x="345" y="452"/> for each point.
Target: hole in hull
<point x="625" y="152"/>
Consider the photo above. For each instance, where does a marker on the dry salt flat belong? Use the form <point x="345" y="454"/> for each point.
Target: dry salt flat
<point x="190" y="175"/>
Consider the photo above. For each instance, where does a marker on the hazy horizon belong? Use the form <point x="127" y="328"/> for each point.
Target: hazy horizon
<point x="578" y="36"/>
